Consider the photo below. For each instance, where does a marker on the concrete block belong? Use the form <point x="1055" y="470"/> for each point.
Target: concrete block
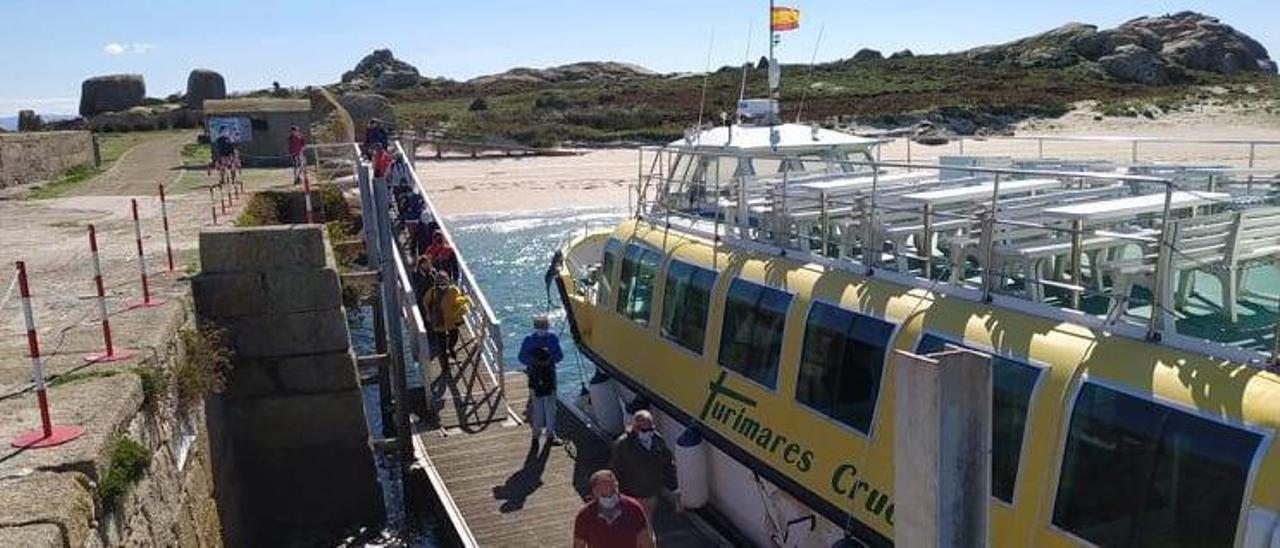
<point x="237" y="294"/>
<point x="320" y="373"/>
<point x="261" y="249"/>
<point x="63" y="499"/>
<point x="282" y="423"/>
<point x="284" y="335"/>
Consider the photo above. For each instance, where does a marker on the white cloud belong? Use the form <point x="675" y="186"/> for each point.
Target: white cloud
<point x="137" y="48"/>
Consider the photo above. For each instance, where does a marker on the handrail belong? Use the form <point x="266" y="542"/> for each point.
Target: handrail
<point x="773" y="223"/>
<point x="481" y="319"/>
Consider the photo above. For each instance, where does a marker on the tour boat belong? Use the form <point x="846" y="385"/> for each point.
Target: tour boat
<point x="769" y="272"/>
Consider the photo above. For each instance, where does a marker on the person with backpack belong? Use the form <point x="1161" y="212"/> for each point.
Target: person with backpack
<point x="540" y="352"/>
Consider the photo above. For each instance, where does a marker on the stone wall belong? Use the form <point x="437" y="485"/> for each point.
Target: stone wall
<point x="31" y="157"/>
<point x="290" y="439"/>
<point x="49" y="497"/>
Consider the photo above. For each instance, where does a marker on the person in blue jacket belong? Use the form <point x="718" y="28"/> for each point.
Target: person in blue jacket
<point x="540" y="352"/>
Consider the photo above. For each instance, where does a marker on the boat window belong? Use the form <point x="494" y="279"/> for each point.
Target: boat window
<point x="1011" y="385"/>
<point x="635" y="285"/>
<point x="751" y="341"/>
<point x="841" y="365"/>
<point x="612" y="249"/>
<point x="1138" y="473"/>
<point x="686" y="298"/>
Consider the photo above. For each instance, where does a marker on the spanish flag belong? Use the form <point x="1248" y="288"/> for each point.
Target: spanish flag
<point x="784" y="19"/>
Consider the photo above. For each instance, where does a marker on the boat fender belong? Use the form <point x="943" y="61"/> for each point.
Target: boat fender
<point x="692" y="468"/>
<point x="605" y="405"/>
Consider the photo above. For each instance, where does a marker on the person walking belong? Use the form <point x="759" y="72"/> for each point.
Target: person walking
<point x="540" y="352"/>
<point x="445" y="306"/>
<point x="442" y="255"/>
<point x="611" y="519"/>
<point x="644" y="464"/>
<point x="375" y="135"/>
<point x="297" y="143"/>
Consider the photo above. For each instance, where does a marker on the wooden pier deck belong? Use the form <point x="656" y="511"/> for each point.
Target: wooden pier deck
<point x="507" y="491"/>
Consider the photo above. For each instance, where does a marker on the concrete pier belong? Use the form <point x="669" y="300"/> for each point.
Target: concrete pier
<point x="290" y="441"/>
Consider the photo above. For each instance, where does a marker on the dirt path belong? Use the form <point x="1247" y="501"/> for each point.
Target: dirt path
<point x="141" y="168"/>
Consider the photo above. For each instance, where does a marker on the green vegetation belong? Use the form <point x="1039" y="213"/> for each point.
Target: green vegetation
<point x="155" y="385"/>
<point x="889" y="92"/>
<point x="129" y="461"/>
<point x="69" y="179"/>
<point x="205" y="365"/>
<point x="275" y="207"/>
<point x="195" y="154"/>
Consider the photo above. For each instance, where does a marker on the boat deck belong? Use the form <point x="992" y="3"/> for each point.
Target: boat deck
<point x="508" y="491"/>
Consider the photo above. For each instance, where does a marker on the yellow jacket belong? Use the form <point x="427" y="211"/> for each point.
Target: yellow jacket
<point x="444" y="307"/>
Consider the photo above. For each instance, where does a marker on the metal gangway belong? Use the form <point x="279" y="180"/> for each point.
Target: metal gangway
<point x="473" y="449"/>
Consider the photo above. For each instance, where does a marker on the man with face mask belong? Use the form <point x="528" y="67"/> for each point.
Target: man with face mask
<point x="611" y="519"/>
<point x="643" y="462"/>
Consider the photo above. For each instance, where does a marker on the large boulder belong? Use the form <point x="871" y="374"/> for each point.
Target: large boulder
<point x="902" y="54"/>
<point x="1197" y="41"/>
<point x="397" y="79"/>
<point x="1136" y="64"/>
<point x="204" y="84"/>
<point x="28" y="120"/>
<point x="376" y="63"/>
<point x="865" y="55"/>
<point x="111" y="93"/>
<point x="366" y="106"/>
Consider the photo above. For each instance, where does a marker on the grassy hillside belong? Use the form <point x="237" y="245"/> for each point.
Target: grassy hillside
<point x="951" y="90"/>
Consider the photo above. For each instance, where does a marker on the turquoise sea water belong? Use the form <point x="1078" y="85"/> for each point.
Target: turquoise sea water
<point x="508" y="254"/>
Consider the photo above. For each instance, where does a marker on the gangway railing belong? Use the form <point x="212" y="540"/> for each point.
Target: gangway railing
<point x="480" y="319"/>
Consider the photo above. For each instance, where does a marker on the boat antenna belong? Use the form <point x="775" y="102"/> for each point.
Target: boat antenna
<point x="812" y="67"/>
<point x="746" y="64"/>
<point x="706" y="75"/>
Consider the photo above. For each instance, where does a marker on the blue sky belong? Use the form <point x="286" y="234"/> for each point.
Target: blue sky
<point x="48" y="48"/>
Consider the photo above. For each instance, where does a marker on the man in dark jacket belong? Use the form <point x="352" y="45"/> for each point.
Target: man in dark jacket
<point x="643" y="463"/>
<point x="540" y="352"/>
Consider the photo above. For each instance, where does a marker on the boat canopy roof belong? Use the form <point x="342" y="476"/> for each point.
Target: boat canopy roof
<point x="755" y="138"/>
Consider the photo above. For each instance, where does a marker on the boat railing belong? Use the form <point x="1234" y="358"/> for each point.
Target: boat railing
<point x="1067" y="244"/>
<point x="1138" y="149"/>
<point x="480" y="319"/>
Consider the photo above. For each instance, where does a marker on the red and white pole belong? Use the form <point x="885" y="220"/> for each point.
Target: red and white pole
<point x="306" y="190"/>
<point x="164" y="216"/>
<point x="47" y="435"/>
<point x="110" y="354"/>
<point x="213" y="205"/>
<point x="146" y="301"/>
<point x="222" y="198"/>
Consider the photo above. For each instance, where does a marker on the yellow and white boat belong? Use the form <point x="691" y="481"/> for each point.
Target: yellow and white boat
<point x="770" y="271"/>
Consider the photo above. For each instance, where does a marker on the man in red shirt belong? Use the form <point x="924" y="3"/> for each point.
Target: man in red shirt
<point x="381" y="163"/>
<point x="296" y="143"/>
<point x="611" y="520"/>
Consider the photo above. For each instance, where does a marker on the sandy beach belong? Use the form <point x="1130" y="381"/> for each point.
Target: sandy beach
<point x="606" y="178"/>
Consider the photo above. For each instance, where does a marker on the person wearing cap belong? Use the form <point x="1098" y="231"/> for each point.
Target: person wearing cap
<point x="611" y="519"/>
<point x="644" y="464"/>
<point x="540" y="352"/>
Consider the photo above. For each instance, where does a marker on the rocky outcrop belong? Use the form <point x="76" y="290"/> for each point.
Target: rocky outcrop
<point x="204" y="84"/>
<point x="866" y="55"/>
<point x="903" y="54"/>
<point x="375" y="64"/>
<point x="28" y="120"/>
<point x="1147" y="50"/>
<point x="366" y="106"/>
<point x="397" y="79"/>
<point x="575" y="72"/>
<point x="1134" y="63"/>
<point x="111" y="93"/>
